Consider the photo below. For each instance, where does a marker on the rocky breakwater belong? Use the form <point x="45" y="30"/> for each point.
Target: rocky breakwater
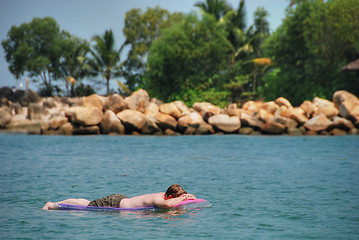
<point x="140" y="114"/>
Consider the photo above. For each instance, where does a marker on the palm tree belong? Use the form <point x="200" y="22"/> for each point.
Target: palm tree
<point x="75" y="63"/>
<point x="217" y="8"/>
<point x="106" y="57"/>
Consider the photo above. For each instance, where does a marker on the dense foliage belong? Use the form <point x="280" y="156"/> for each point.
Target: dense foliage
<point x="212" y="57"/>
<point x="316" y="39"/>
<point x="186" y="58"/>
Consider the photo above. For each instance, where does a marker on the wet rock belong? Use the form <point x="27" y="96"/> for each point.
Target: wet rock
<point x="115" y="103"/>
<point x="204" y="129"/>
<point x="246" y="130"/>
<point x="273" y="127"/>
<point x="111" y="124"/>
<point x="337" y="132"/>
<point x="293" y="131"/>
<point x="132" y="120"/>
<point x="318" y="123"/>
<point x="225" y="123"/>
<point x="86" y="130"/>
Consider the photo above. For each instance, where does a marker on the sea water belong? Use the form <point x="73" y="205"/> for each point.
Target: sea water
<point x="260" y="187"/>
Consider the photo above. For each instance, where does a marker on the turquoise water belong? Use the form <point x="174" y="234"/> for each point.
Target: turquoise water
<point x="260" y="187"/>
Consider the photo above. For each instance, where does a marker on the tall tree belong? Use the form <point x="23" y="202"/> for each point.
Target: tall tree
<point x="74" y="63"/>
<point x="106" y="57"/>
<point x="141" y="29"/>
<point x="183" y="62"/>
<point x="217" y="8"/>
<point x="35" y="48"/>
<point x="315" y="40"/>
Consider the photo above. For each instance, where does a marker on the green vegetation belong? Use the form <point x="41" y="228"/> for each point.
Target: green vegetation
<point x="212" y="56"/>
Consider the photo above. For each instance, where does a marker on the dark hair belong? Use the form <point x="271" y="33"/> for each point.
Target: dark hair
<point x="175" y="191"/>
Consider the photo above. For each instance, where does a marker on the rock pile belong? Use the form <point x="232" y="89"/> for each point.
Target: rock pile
<point x="139" y="114"/>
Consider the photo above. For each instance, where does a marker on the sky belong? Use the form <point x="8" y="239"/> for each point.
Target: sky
<point x="86" y="18"/>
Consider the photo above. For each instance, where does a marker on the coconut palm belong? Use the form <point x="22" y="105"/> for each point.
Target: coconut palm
<point x="217" y="8"/>
<point x="106" y="58"/>
<point x="75" y="63"/>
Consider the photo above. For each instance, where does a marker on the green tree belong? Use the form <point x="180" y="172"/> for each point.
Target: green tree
<point x="216" y="8"/>
<point x="188" y="60"/>
<point x="141" y="29"/>
<point x="35" y="48"/>
<point x="106" y="58"/>
<point x="315" y="40"/>
<point x="74" y="63"/>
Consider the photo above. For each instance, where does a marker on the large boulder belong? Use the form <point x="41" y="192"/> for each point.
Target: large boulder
<point x="115" y="103"/>
<point x="250" y="121"/>
<point x="270" y="107"/>
<point x="5" y="117"/>
<point x="281" y="101"/>
<point x="318" y="123"/>
<point x="325" y="107"/>
<point x="232" y="110"/>
<point x="86" y="130"/>
<point x="264" y="115"/>
<point x="57" y="122"/>
<point x="138" y="100"/>
<point x="348" y="105"/>
<point x="225" y="123"/>
<point x="132" y="120"/>
<point x="309" y="108"/>
<point x="192" y="120"/>
<point x="252" y="107"/>
<point x="94" y="100"/>
<point x="152" y="110"/>
<point x="170" y="109"/>
<point x="204" y="129"/>
<point x="206" y="109"/>
<point x="84" y="116"/>
<point x="35" y="111"/>
<point x="150" y="126"/>
<point x="341" y="123"/>
<point x="166" y="121"/>
<point x="273" y="127"/>
<point x="182" y="107"/>
<point x="111" y="124"/>
<point x="341" y="96"/>
<point x="298" y="114"/>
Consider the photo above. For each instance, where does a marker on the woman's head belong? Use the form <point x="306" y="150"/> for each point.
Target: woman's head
<point x="175" y="191"/>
